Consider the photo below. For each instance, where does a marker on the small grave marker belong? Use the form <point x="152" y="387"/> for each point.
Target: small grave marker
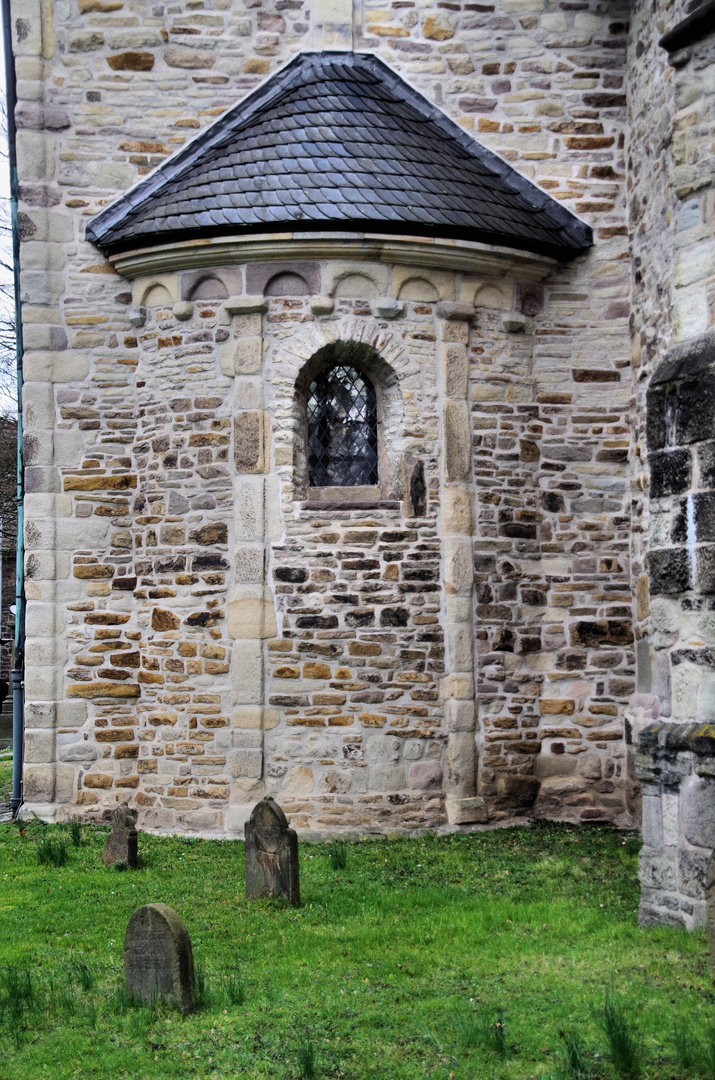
<point x="271" y="851"/>
<point x="158" y="961"/>
<point x="121" y="844"/>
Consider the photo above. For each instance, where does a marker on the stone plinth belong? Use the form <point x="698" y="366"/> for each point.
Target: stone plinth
<point x="676" y="766"/>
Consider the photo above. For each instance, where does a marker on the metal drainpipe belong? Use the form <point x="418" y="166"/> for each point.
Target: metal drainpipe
<point x="18" y="726"/>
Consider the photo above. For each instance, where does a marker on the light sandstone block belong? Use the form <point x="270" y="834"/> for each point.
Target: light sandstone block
<point x="247" y="356"/>
<point x="247" y="672"/>
<point x="248" y="717"/>
<point x="457" y="447"/>
<point x="250" y="508"/>
<point x="460" y="763"/>
<point x="466" y="811"/>
<point x="461" y="716"/>
<point x="460" y="646"/>
<point x="250" y="564"/>
<point x="248" y="393"/>
<point x="252" y="617"/>
<point x="40" y="714"/>
<point x="298" y="781"/>
<point x="71" y="714"/>
<point x="68" y="449"/>
<point x="35" y="156"/>
<point x="38" y="406"/>
<point x="252" y="442"/>
<point x="225" y="358"/>
<point x="56" y="367"/>
<point x="458" y="609"/>
<point x="246" y="305"/>
<point x="248" y="763"/>
<point x="39" y="746"/>
<point x="426" y="776"/>
<point x="459" y="687"/>
<point x="457" y="511"/>
<point x="452" y="359"/>
<point x="458" y="565"/>
<point x="698" y="812"/>
<point x="46" y="506"/>
<point x="386" y="776"/>
<point x="43" y="620"/>
<point x="48" y="783"/>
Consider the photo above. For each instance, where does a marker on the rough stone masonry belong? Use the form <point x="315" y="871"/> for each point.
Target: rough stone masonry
<point x="481" y="634"/>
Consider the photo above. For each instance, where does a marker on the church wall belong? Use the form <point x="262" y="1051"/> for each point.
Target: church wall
<point x="555" y="637"/>
<point x="185" y="535"/>
<point x="132" y="439"/>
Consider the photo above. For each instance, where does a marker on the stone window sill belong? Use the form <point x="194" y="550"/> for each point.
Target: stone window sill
<point x="357" y="504"/>
<point x="366" y="497"/>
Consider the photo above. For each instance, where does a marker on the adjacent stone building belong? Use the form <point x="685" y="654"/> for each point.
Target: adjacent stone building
<point x="346" y="482"/>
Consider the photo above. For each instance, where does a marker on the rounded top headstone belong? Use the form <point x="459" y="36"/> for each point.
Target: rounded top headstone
<point x="158" y="960"/>
<point x="270" y="823"/>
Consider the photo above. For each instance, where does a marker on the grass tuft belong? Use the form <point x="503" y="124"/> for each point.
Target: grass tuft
<point x="51" y="852"/>
<point x="307" y="1062"/>
<point x="707" y="1060"/>
<point x="202" y="985"/>
<point x="469" y="1032"/>
<point x="576" y="1062"/>
<point x="338" y="855"/>
<point x="687" y="1051"/>
<point x="485" y="1028"/>
<point x="622" y="1042"/>
<point x="76" y="833"/>
<point x="123" y="1000"/>
<point x="83" y="975"/>
<point x="17" y="998"/>
<point x="498" y="1035"/>
<point x="234" y="989"/>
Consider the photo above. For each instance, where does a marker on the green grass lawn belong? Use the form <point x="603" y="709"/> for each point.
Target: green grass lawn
<point x="5" y="775"/>
<point x="397" y="966"/>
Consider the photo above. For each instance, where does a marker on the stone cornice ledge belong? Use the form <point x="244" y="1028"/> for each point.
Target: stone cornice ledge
<point x="423" y="252"/>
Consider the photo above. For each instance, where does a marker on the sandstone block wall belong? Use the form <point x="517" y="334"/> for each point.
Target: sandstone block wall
<point x="196" y="635"/>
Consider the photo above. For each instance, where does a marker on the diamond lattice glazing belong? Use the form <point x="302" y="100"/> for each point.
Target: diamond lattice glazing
<point x="342" y="429"/>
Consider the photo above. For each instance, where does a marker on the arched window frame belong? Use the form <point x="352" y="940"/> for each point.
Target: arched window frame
<point x="368" y="362"/>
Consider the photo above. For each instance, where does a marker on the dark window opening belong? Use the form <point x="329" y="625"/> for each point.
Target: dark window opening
<point x="342" y="429"/>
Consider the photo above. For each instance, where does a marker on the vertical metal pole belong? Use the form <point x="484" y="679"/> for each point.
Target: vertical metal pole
<point x="18" y="666"/>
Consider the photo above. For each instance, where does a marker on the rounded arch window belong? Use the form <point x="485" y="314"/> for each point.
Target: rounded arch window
<point x="342" y="429"/>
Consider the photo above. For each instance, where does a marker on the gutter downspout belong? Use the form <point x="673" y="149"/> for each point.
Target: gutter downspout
<point x="18" y="666"/>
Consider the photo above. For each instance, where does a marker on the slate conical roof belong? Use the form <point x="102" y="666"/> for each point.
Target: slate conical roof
<point x="336" y="140"/>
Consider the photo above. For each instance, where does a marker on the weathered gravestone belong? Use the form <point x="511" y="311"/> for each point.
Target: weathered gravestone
<point x="158" y="961"/>
<point x="121" y="844"/>
<point x="271" y="850"/>
<point x="710" y="912"/>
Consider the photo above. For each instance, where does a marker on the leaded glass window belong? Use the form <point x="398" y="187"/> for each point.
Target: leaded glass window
<point x="342" y="429"/>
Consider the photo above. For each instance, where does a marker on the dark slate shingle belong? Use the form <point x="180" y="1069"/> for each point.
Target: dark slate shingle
<point x="315" y="143"/>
